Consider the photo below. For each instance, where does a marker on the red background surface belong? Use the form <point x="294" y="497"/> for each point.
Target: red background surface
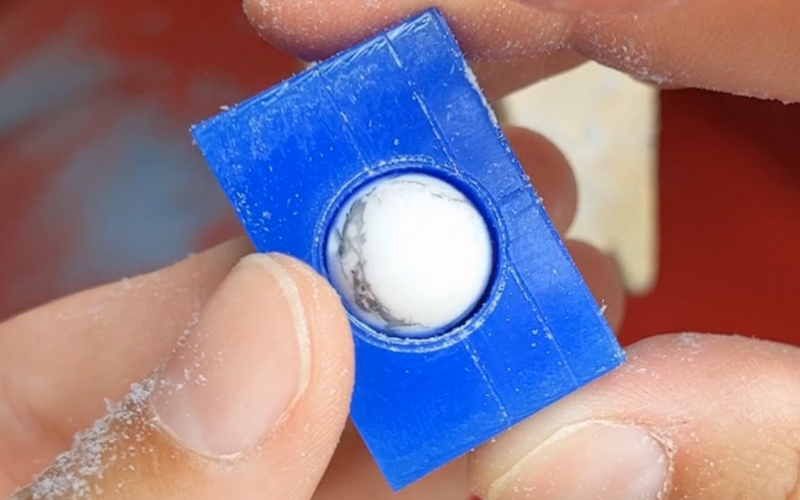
<point x="729" y="188"/>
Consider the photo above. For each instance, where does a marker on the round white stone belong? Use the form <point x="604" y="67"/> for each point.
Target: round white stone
<point x="411" y="254"/>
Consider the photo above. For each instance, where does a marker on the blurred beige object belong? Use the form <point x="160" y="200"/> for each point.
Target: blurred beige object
<point x="606" y="124"/>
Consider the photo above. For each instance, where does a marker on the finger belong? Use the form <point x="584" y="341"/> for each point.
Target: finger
<point x="353" y="475"/>
<point x="603" y="278"/>
<point x="611" y="6"/>
<point x="688" y="416"/>
<point x="250" y="405"/>
<point x="59" y="362"/>
<point x="500" y="78"/>
<point x="745" y="47"/>
<point x="495" y="30"/>
<point x="549" y="173"/>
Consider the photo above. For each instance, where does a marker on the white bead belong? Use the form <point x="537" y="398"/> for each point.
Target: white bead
<point x="411" y="254"/>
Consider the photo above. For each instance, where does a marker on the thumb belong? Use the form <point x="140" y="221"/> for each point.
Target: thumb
<point x="250" y="405"/>
<point x="690" y="416"/>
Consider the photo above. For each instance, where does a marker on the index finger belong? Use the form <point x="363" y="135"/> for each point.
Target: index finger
<point x="743" y="47"/>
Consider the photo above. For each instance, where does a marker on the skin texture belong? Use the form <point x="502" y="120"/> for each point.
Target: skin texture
<point x="606" y="6"/>
<point x="720" y="412"/>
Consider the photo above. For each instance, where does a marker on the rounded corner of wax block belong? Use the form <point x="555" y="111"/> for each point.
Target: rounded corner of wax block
<point x="616" y="360"/>
<point x="202" y="132"/>
<point x="615" y="355"/>
<point x="431" y="14"/>
<point x="196" y="130"/>
<point x="621" y="357"/>
<point x="435" y="15"/>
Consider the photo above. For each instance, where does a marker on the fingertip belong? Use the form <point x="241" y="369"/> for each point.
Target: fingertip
<point x="253" y="398"/>
<point x="499" y="78"/>
<point x="718" y="406"/>
<point x="326" y="401"/>
<point x="327" y="320"/>
<point x="549" y="172"/>
<point x="603" y="278"/>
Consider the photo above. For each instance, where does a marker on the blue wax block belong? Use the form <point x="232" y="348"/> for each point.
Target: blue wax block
<point x="405" y="101"/>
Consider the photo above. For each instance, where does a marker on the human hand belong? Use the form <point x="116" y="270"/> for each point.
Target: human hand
<point x="688" y="416"/>
<point x="251" y="398"/>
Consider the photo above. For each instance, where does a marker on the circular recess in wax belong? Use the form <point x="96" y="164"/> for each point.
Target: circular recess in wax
<point x="410" y="254"/>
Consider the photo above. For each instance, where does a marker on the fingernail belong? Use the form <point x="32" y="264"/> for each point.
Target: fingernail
<point x="240" y="369"/>
<point x="591" y="460"/>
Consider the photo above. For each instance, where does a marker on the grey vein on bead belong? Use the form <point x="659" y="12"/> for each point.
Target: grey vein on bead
<point x="364" y="297"/>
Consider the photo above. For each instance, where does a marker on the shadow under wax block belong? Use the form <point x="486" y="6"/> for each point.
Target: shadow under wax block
<point x="401" y="103"/>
